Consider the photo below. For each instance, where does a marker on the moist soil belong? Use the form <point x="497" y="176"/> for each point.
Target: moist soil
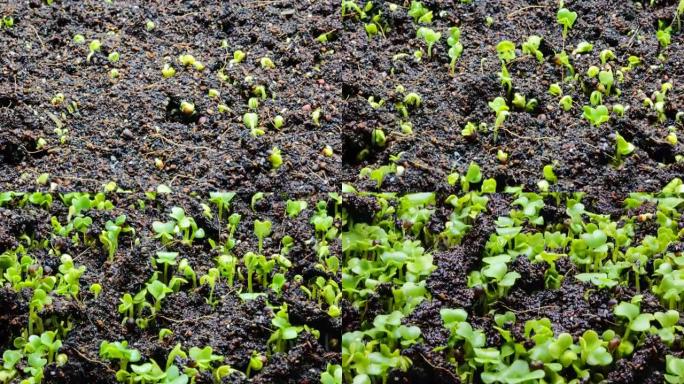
<point x="234" y="328"/>
<point x="120" y="126"/>
<point x="574" y="307"/>
<point x="583" y="156"/>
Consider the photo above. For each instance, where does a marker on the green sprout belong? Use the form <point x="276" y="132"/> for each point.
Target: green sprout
<point x="596" y="116"/>
<point x="566" y="102"/>
<point x="94" y="46"/>
<point x="295" y="207"/>
<point x="675" y="370"/>
<point x="430" y="36"/>
<point x="622" y="147"/>
<point x="95" y="289"/>
<point x="251" y="121"/>
<point x="266" y="63"/>
<point x="506" y="51"/>
<point x="262" y="229"/>
<point x="275" y="158"/>
<point x="168" y="71"/>
<point x="583" y="47"/>
<point x="455" y="47"/>
<point x="187" y="108"/>
<point x="113" y="57"/>
<point x="238" y="57"/>
<point x="566" y="18"/>
<point x="79" y="39"/>
<point x="278" y="122"/>
<point x="149" y="25"/>
<point x="531" y="47"/>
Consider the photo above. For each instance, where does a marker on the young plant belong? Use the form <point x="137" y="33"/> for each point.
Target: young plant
<point x="430" y="36"/>
<point x="566" y="18"/>
<point x="531" y="47"/>
<point x="455" y="47"/>
<point x="110" y="236"/>
<point x="622" y="147"/>
<point x="506" y="51"/>
<point x="596" y="116"/>
<point x="262" y="229"/>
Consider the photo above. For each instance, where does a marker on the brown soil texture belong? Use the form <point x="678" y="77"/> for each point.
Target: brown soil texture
<point x="122" y="125"/>
<point x="583" y="155"/>
<point x="234" y="328"/>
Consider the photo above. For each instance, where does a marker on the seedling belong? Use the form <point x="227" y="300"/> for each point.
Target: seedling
<point x="119" y="351"/>
<point x="295" y="207"/>
<point x="266" y="63"/>
<point x="531" y="47"/>
<point x="566" y="102"/>
<point x="251" y="121"/>
<point x="506" y="51"/>
<point x="166" y="259"/>
<point x="420" y="13"/>
<point x="596" y="116"/>
<point x="187" y="108"/>
<point x="238" y="57"/>
<point x="316" y="117"/>
<point x="430" y="36"/>
<point x="94" y="46"/>
<point x="622" y="147"/>
<point x="113" y="57"/>
<point x="149" y="25"/>
<point x="498" y="105"/>
<point x="378" y="137"/>
<point x="566" y="18"/>
<point x="278" y="122"/>
<point x="675" y="370"/>
<point x="275" y="158"/>
<point x="455" y="47"/>
<point x="555" y="89"/>
<point x="262" y="229"/>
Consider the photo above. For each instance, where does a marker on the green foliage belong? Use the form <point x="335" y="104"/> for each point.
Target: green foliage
<point x="566" y="18"/>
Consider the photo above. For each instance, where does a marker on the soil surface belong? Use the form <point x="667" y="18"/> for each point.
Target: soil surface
<point x="120" y="127"/>
<point x="234" y="328"/>
<point x="583" y="156"/>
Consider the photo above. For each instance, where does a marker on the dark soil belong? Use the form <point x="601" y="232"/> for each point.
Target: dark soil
<point x="583" y="155"/>
<point x="234" y="328"/>
<point x="121" y="126"/>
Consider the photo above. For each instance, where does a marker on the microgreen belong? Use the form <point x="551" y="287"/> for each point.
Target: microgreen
<point x="506" y="51"/>
<point x="93" y="47"/>
<point x="275" y="158"/>
<point x="596" y="116"/>
<point x="566" y="18"/>
<point x="262" y="229"/>
<point x="531" y="47"/>
<point x="455" y="47"/>
<point x="622" y="147"/>
<point x="430" y="36"/>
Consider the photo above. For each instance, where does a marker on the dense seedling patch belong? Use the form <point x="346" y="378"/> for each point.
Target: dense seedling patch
<point x="527" y="287"/>
<point x="157" y="288"/>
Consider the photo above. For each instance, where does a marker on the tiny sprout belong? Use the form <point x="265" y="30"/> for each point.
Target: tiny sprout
<point x="593" y="71"/>
<point x="470" y="130"/>
<point x="253" y="103"/>
<point x="406" y="127"/>
<point x="596" y="116"/>
<point x="57" y="99"/>
<point x="40" y="143"/>
<point x="95" y="289"/>
<point x="606" y="55"/>
<point x="316" y="116"/>
<point x="149" y="25"/>
<point x="266" y="63"/>
<point x="187" y="108"/>
<point x="79" y="39"/>
<point x="622" y="146"/>
<point x="327" y="151"/>
<point x="431" y="37"/>
<point x="94" y="46"/>
<point x="378" y="138"/>
<point x="489" y="21"/>
<point x="549" y="175"/>
<point x="619" y="109"/>
<point x="502" y="156"/>
<point x="519" y="101"/>
<point x="278" y="122"/>
<point x="187" y="60"/>
<point x="250" y="120"/>
<point x="566" y="102"/>
<point x="114" y="73"/>
<point x="566" y="18"/>
<point x="506" y="50"/>
<point x="168" y="71"/>
<point x="671" y="138"/>
<point x="213" y="93"/>
<point x="113" y="57"/>
<point x="583" y="47"/>
<point x="555" y="89"/>
<point x="158" y="163"/>
<point x="164" y="333"/>
<point x="531" y="47"/>
<point x="198" y="66"/>
<point x="222" y="108"/>
<point x="42" y="179"/>
<point x="238" y="57"/>
<point x="413" y="99"/>
<point x="606" y="79"/>
<point x="596" y="98"/>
